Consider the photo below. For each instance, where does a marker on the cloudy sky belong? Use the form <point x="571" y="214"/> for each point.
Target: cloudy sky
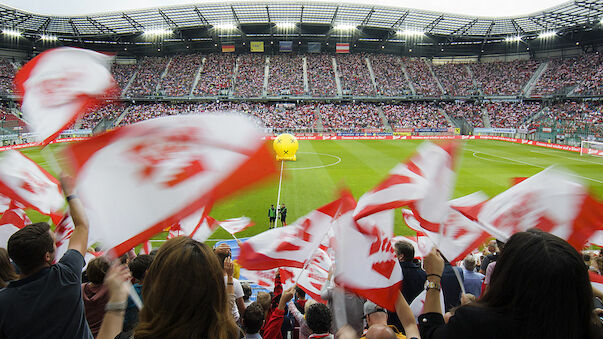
<point x="487" y="8"/>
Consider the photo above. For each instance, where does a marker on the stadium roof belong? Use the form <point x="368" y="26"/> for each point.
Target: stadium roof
<point x="580" y="13"/>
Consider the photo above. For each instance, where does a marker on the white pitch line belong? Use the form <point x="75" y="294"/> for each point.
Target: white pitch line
<point x="278" y="198"/>
<point x="534" y="165"/>
<point x="477" y="156"/>
<point x="314" y="167"/>
<point x="561" y="156"/>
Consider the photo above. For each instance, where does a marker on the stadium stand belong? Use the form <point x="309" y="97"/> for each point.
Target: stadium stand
<point x="503" y="78"/>
<point x="217" y="75"/>
<point x="415" y="115"/>
<point x="421" y="77"/>
<point x="389" y="75"/>
<point x="286" y="75"/>
<point x="321" y="77"/>
<point x="148" y="76"/>
<point x="511" y="114"/>
<point x="472" y="113"/>
<point x="354" y="75"/>
<point x="7" y="72"/>
<point x="455" y="79"/>
<point x="250" y="75"/>
<point x="180" y="75"/>
<point x="565" y="74"/>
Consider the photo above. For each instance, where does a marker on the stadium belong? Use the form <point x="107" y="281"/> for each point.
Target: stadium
<point x="360" y="84"/>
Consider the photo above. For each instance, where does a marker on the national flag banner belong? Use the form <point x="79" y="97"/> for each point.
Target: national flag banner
<point x="256" y="46"/>
<point x="285" y="46"/>
<point x="236" y="225"/>
<point x="292" y="245"/>
<point x="365" y="261"/>
<point x="424" y="183"/>
<point x="229" y="48"/>
<point x="342" y="47"/>
<point x="139" y="179"/>
<point x="24" y="181"/>
<point x="552" y="200"/>
<point x="11" y="221"/>
<point x="59" y="85"/>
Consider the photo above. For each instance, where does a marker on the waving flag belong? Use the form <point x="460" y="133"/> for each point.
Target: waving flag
<point x="312" y="278"/>
<point x="596" y="280"/>
<point x="262" y="278"/>
<point x="292" y="245"/>
<point x="59" y="85"/>
<point x="146" y="247"/>
<point x="12" y="220"/>
<point x="26" y="182"/>
<point x="62" y="234"/>
<point x="424" y="183"/>
<point x="417" y="305"/>
<point x="139" y="179"/>
<point x="551" y="200"/>
<point x="236" y="225"/>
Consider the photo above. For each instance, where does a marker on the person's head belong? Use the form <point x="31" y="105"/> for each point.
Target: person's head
<point x="309" y="303"/>
<point x="184" y="294"/>
<point x="7" y="271"/>
<point x="246" y="291"/>
<point x="532" y="267"/>
<point x="299" y="293"/>
<point x="264" y="299"/>
<point x="380" y="331"/>
<point x="318" y="318"/>
<point x="469" y="262"/>
<point x="586" y="258"/>
<point x="374" y="314"/>
<point x="404" y="251"/>
<point x="492" y="246"/>
<point x="96" y="270"/>
<point x="139" y="266"/>
<point x="222" y="257"/>
<point x="32" y="247"/>
<point x="253" y="318"/>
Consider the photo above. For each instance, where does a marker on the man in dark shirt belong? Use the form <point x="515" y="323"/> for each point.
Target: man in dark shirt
<point x="46" y="302"/>
<point x="283" y="212"/>
<point x="271" y="216"/>
<point x="494" y="249"/>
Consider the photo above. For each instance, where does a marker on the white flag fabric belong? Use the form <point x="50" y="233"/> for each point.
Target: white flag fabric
<point x="146" y="247"/>
<point x="26" y="182"/>
<point x="365" y="262"/>
<point x="597" y="238"/>
<point x="263" y="278"/>
<point x="62" y="233"/>
<point x="59" y="85"/>
<point x="418" y="304"/>
<point x="139" y="179"/>
<point x="596" y="280"/>
<point x="11" y="221"/>
<point x="292" y="245"/>
<point x="199" y="225"/>
<point x="236" y="225"/>
<point x="552" y="200"/>
<point x="4" y="203"/>
<point x="312" y="278"/>
<point x="424" y="183"/>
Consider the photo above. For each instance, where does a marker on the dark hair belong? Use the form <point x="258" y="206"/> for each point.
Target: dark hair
<point x="222" y="257"/>
<point x="253" y="318"/>
<point x="96" y="270"/>
<point x="246" y="290"/>
<point x="532" y="267"/>
<point x="29" y="245"/>
<point x="139" y="266"/>
<point x="7" y="271"/>
<point x="586" y="257"/>
<point x="184" y="294"/>
<point x="300" y="293"/>
<point x="406" y="249"/>
<point x="318" y="318"/>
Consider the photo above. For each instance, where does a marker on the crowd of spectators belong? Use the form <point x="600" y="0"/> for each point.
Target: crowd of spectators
<point x="148" y="76"/>
<point x="217" y="75"/>
<point x="111" y="111"/>
<point x="472" y="113"/>
<point x="7" y="73"/>
<point x="592" y="81"/>
<point x="511" y="114"/>
<point x="342" y="117"/>
<point x="421" y="77"/>
<point x="145" y="111"/>
<point x="122" y="73"/>
<point x="250" y="75"/>
<point x="180" y="75"/>
<point x="562" y="74"/>
<point x="389" y="75"/>
<point x="455" y="79"/>
<point x="575" y="117"/>
<point x="503" y="78"/>
<point x="354" y="74"/>
<point x="321" y="76"/>
<point x="286" y="75"/>
<point x="415" y="115"/>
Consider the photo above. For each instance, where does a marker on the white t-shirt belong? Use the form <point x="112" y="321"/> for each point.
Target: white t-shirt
<point x="238" y="293"/>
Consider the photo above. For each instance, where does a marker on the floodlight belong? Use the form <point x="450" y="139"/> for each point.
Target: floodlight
<point x="513" y="38"/>
<point x="46" y="37"/>
<point x="285" y="25"/>
<point x="344" y="27"/>
<point x="547" y="34"/>
<point x="11" y="32"/>
<point x="225" y="26"/>
<point x="411" y="32"/>
<point x="157" y="32"/>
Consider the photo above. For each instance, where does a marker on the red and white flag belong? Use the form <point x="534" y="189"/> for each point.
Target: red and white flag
<point x="365" y="261"/>
<point x="551" y="200"/>
<point x="146" y="247"/>
<point x="4" y="203"/>
<point x="597" y="238"/>
<point x="62" y="234"/>
<point x="292" y="245"/>
<point x="59" y="85"/>
<point x="424" y="183"/>
<point x="418" y="304"/>
<point x="458" y="234"/>
<point x="26" y="182"/>
<point x="596" y="280"/>
<point x="236" y="225"/>
<point x="263" y="278"/>
<point x="312" y="278"/>
<point x="342" y="47"/>
<point x="139" y="179"/>
<point x="11" y="221"/>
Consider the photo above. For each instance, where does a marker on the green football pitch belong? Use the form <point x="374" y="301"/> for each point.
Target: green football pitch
<point x="323" y="167"/>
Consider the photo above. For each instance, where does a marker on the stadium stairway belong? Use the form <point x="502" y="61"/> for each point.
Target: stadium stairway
<point x="337" y="80"/>
<point x="319" y="124"/>
<point x="473" y="81"/>
<point x="450" y="120"/>
<point x="486" y="118"/>
<point x="198" y="76"/>
<point x="535" y="116"/>
<point x="529" y="87"/>
<point x="266" y="76"/>
<point x="386" y="124"/>
<point x="120" y="117"/>
<point x="129" y="83"/>
<point x="408" y="82"/>
<point x="163" y="74"/>
<point x="435" y="77"/>
<point x="305" y="68"/>
<point x="372" y="74"/>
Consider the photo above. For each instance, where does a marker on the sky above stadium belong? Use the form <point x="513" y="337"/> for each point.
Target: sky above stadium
<point x="484" y="8"/>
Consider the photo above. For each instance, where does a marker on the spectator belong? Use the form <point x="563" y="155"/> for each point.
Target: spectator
<point x="286" y="75"/>
<point x="304" y="330"/>
<point x="389" y="75"/>
<point x="223" y="253"/>
<point x="246" y="294"/>
<point x="472" y="280"/>
<point x="216" y="75"/>
<point x="49" y="287"/>
<point x="272" y="328"/>
<point x="249" y="80"/>
<point x="148" y="76"/>
<point x="455" y="79"/>
<point x="7" y="271"/>
<point x="533" y="266"/>
<point x="138" y="268"/>
<point x="451" y="288"/>
<point x="503" y="77"/>
<point x="353" y="305"/>
<point x="318" y="318"/>
<point x="412" y="275"/>
<point x="493" y="256"/>
<point x="376" y="319"/>
<point x="253" y="319"/>
<point x="95" y="294"/>
<point x="421" y="77"/>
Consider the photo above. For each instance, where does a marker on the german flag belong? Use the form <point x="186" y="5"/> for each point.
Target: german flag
<point x="228" y="48"/>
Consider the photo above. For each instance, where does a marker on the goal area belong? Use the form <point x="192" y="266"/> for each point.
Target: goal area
<point x="591" y="148"/>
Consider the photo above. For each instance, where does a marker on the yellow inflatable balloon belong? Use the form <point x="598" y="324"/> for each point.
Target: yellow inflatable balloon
<point x="285" y="146"/>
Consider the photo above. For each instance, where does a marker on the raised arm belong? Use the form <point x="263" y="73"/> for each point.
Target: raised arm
<point x="407" y="318"/>
<point x="434" y="266"/>
<point x="79" y="237"/>
<point x="116" y="282"/>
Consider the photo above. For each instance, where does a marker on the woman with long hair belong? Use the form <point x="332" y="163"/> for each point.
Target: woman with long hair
<point x="184" y="296"/>
<point x="7" y="271"/>
<point x="539" y="289"/>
